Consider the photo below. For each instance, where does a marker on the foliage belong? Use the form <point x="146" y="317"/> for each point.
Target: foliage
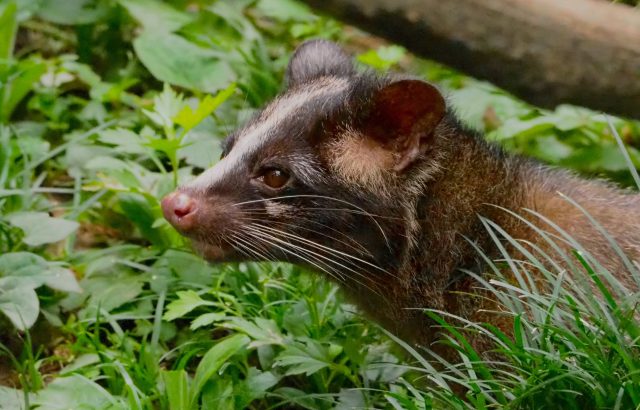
<point x="106" y="106"/>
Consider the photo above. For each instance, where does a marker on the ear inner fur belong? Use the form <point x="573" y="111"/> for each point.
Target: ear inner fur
<point x="358" y="160"/>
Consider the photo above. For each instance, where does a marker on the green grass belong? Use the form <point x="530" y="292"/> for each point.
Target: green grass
<point x="104" y="109"/>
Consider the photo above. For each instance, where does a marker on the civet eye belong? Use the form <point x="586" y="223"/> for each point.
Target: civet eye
<point x="275" y="178"/>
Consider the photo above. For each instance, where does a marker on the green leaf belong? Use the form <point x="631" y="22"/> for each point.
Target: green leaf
<point x="186" y="302"/>
<point x="213" y="360"/>
<point x="484" y="97"/>
<point x="166" y="105"/>
<point x="168" y="146"/>
<point x="8" y="29"/>
<point x="188" y="118"/>
<point x="143" y="212"/>
<point x="176" y="383"/>
<point x="206" y="319"/>
<point x="12" y="398"/>
<point x="39" y="228"/>
<point x="76" y="392"/>
<point x="285" y="10"/>
<point x="219" y="394"/>
<point x="297" y="398"/>
<point x="156" y="15"/>
<point x="198" y="148"/>
<point x="383" y="58"/>
<point x="124" y="140"/>
<point x="351" y="399"/>
<point x="13" y="262"/>
<point x="24" y="269"/>
<point x="18" y="85"/>
<point x="186" y="266"/>
<point x="117" y="170"/>
<point x="308" y="358"/>
<point x="62" y="279"/>
<point x="254" y="386"/>
<point x="299" y="362"/>
<point x="604" y="156"/>
<point x="172" y="59"/>
<point x="78" y="155"/>
<point x="21" y="306"/>
<point x="110" y="293"/>
<point x="262" y="331"/>
<point x="73" y="11"/>
<point x="515" y="127"/>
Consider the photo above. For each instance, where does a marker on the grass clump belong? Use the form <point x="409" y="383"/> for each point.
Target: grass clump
<point x="575" y="334"/>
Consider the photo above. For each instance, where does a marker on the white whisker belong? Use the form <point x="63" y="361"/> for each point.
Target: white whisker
<point x="297" y="255"/>
<point x="323" y="197"/>
<point x="286" y="224"/>
<point x="257" y="230"/>
<point x="323" y="247"/>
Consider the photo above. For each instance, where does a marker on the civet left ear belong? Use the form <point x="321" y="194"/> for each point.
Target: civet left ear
<point x="317" y="58"/>
<point x="403" y="117"/>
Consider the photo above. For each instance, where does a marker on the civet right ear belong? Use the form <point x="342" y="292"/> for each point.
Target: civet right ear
<point x="403" y="117"/>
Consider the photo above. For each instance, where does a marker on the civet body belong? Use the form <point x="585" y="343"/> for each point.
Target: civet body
<point x="371" y="181"/>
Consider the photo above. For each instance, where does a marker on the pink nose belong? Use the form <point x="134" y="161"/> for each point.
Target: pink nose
<point x="179" y="209"/>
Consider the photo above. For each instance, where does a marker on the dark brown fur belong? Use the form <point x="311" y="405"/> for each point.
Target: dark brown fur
<point x="476" y="179"/>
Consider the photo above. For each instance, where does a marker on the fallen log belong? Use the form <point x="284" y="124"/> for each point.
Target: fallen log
<point x="548" y="52"/>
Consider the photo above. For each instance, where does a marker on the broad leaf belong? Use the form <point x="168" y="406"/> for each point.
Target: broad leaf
<point x="262" y="331"/>
<point x="24" y="269"/>
<point x="285" y="10"/>
<point x="8" y="28"/>
<point x="384" y="57"/>
<point x="186" y="302"/>
<point x="156" y="15"/>
<point x="206" y="319"/>
<point x="213" y="360"/>
<point x="143" y="212"/>
<point x="10" y="263"/>
<point x="73" y="11"/>
<point x="254" y="386"/>
<point x="176" y="384"/>
<point x="61" y="279"/>
<point x="308" y="358"/>
<point x="17" y="85"/>
<point x="199" y="148"/>
<point x="117" y="171"/>
<point x="12" y="399"/>
<point x="21" y="306"/>
<point x="76" y="392"/>
<point x="40" y="229"/>
<point x="171" y="58"/>
<point x="124" y="140"/>
<point x="109" y="294"/>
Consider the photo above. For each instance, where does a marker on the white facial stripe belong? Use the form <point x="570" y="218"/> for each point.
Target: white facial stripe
<point x="259" y="134"/>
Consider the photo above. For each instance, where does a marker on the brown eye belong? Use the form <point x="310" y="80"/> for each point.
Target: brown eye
<point x="275" y="178"/>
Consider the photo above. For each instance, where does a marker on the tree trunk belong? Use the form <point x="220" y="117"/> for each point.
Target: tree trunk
<point x="548" y="52"/>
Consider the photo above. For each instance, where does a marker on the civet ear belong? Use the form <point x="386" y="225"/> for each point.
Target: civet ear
<point x="317" y="58"/>
<point x="403" y="117"/>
